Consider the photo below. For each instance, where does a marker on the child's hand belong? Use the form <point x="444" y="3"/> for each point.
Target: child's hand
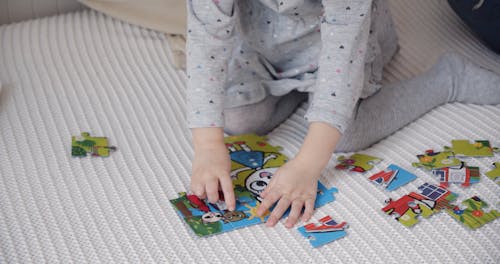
<point x="293" y="185"/>
<point x="211" y="168"/>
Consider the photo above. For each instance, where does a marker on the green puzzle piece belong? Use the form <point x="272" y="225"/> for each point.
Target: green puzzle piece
<point x="494" y="174"/>
<point x="357" y="162"/>
<point x="97" y="146"/>
<point x="463" y="148"/>
<point x="436" y="160"/>
<point x="474" y="215"/>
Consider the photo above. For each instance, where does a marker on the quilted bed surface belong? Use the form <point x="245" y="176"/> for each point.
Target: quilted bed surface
<point x="87" y="72"/>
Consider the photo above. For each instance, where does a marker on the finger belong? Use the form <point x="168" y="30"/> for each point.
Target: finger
<point x="227" y="188"/>
<point x="294" y="213"/>
<point x="278" y="211"/>
<point x="198" y="190"/>
<point x="308" y="211"/>
<point x="212" y="189"/>
<point x="267" y="203"/>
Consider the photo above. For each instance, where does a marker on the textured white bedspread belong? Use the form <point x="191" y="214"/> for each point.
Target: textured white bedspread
<point x="87" y="72"/>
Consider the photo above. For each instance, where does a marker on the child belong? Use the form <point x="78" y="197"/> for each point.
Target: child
<point x="251" y="62"/>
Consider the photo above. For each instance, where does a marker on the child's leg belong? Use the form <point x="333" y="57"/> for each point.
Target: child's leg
<point x="452" y="79"/>
<point x="261" y="117"/>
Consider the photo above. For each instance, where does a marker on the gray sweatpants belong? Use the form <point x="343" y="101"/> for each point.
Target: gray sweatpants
<point x="451" y="79"/>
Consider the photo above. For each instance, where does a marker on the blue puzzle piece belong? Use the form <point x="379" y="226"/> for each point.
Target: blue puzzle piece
<point x="402" y="177"/>
<point x="325" y="231"/>
<point x="324" y="195"/>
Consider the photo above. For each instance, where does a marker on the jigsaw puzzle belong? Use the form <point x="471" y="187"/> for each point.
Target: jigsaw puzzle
<point x="393" y="178"/>
<point x="323" y="232"/>
<point x="494" y="174"/>
<point x="462" y="174"/>
<point x="429" y="200"/>
<point x="357" y="162"/>
<point x="253" y="163"/>
<point x="436" y="160"/>
<point x="85" y="144"/>
<point x="463" y="148"/>
<point x="473" y="216"/>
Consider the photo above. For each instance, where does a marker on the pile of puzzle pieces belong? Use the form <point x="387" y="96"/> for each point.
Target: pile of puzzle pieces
<point x="447" y="166"/>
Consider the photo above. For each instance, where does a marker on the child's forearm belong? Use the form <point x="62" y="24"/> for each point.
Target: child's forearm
<point x="318" y="146"/>
<point x="207" y="137"/>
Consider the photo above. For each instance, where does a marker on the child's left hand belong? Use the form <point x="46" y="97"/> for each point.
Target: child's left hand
<point x="293" y="185"/>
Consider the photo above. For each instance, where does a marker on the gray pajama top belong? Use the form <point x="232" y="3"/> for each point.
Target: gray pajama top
<point x="240" y="51"/>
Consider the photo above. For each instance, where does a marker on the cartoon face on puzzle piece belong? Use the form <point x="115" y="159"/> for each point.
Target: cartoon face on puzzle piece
<point x="463" y="148"/>
<point x="436" y="160"/>
<point x="233" y="216"/>
<point x="474" y="215"/>
<point x="211" y="217"/>
<point x="357" y="162"/>
<point x="258" y="181"/>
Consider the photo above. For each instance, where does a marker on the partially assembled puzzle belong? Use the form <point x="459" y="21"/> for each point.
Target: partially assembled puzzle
<point x="84" y="144"/>
<point x="253" y="163"/>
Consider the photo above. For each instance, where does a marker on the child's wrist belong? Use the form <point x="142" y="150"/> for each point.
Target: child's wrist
<point x="207" y="137"/>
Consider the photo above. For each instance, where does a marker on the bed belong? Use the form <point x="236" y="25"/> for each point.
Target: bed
<point x="85" y="71"/>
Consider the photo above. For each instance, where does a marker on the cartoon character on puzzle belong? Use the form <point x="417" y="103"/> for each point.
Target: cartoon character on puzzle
<point x="436" y="160"/>
<point x="474" y="215"/>
<point x="204" y="218"/>
<point x="464" y="175"/>
<point x="429" y="200"/>
<point x="96" y="146"/>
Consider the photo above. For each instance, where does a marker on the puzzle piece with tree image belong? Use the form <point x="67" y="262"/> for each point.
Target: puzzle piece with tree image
<point x="474" y="215"/>
<point x="429" y="200"/>
<point x="463" y="148"/>
<point x="85" y="144"/>
<point x="357" y="162"/>
<point x="436" y="160"/>
<point x="253" y="163"/>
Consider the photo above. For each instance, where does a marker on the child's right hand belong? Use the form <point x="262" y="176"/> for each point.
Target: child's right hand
<point x="211" y="166"/>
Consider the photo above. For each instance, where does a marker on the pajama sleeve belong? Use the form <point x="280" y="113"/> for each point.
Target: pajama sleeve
<point x="210" y="39"/>
<point x="344" y="37"/>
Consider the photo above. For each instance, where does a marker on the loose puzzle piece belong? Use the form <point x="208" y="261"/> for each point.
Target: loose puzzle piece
<point x="323" y="232"/>
<point x="253" y="163"/>
<point x="462" y="174"/>
<point x="357" y="162"/>
<point x="96" y="146"/>
<point x="474" y="215"/>
<point x="436" y="160"/>
<point x="429" y="200"/>
<point x="463" y="148"/>
<point x="393" y="178"/>
<point x="494" y="174"/>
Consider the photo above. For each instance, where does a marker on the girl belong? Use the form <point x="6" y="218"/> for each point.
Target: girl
<point x="251" y="62"/>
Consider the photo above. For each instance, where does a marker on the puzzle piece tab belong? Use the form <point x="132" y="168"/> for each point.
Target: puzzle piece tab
<point x="84" y="144"/>
<point x="429" y="200"/>
<point x="323" y="232"/>
<point x="436" y="160"/>
<point x="463" y="148"/>
<point x="357" y="162"/>
<point x="393" y="178"/>
<point x="494" y="174"/>
<point x="474" y="215"/>
<point x="462" y="174"/>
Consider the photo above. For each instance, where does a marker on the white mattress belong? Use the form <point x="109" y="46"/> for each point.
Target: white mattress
<point x="87" y="72"/>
